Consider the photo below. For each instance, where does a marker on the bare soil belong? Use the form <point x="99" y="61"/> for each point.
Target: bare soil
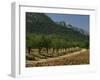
<point x="75" y="58"/>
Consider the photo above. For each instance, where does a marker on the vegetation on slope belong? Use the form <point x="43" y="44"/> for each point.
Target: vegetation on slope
<point x="42" y="32"/>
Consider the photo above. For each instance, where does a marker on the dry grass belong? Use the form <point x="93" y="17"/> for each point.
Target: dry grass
<point x="78" y="58"/>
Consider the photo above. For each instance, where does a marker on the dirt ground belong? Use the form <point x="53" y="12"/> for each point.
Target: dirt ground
<point x="75" y="58"/>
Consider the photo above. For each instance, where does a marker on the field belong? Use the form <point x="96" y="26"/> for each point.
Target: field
<point x="80" y="56"/>
<point x="51" y="40"/>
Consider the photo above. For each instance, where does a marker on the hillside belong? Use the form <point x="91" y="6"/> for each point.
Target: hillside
<point x="51" y="42"/>
<point x="39" y="23"/>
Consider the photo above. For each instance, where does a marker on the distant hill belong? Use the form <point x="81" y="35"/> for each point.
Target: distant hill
<point x="39" y="23"/>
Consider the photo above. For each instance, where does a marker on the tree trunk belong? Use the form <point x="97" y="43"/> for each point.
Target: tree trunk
<point x="29" y="50"/>
<point x="57" y="50"/>
<point x="39" y="50"/>
<point x="47" y="50"/>
<point x="65" y="49"/>
<point x="53" y="50"/>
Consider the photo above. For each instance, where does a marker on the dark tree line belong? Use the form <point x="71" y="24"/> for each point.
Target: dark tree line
<point x="40" y="41"/>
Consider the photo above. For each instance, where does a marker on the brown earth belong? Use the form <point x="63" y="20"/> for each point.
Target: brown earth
<point x="75" y="58"/>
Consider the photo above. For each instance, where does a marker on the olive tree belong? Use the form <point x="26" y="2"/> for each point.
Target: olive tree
<point x="30" y="41"/>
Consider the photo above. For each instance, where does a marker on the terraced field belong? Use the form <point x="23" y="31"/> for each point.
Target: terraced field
<point x="70" y="57"/>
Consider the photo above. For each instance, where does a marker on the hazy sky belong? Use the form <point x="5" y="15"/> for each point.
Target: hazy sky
<point x="80" y="21"/>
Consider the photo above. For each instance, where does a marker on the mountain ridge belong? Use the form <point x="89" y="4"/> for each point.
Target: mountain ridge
<point x="39" y="23"/>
